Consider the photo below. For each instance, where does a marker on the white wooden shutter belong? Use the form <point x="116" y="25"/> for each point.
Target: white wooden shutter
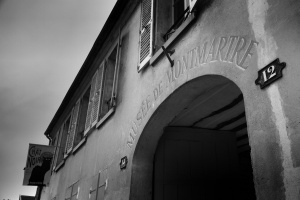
<point x="67" y="132"/>
<point x="146" y="33"/>
<point x="57" y="146"/>
<point x="72" y="127"/>
<point x="90" y="106"/>
<point x="97" y="96"/>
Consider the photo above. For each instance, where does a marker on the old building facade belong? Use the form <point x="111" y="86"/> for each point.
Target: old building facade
<point x="184" y="99"/>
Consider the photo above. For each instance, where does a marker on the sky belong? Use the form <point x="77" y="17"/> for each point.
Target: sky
<point x="43" y="44"/>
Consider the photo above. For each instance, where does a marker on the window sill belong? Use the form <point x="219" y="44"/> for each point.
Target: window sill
<point x="59" y="165"/>
<point x="80" y="144"/>
<point x="172" y="39"/>
<point x="106" y="116"/>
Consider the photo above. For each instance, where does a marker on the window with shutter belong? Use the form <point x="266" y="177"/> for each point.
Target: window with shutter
<point x="169" y="16"/>
<point x="146" y="33"/>
<point x="66" y="131"/>
<point x="98" y="94"/>
<point x="180" y="13"/>
<point x="88" y="121"/>
<point x="102" y="95"/>
<point x="83" y="108"/>
<point x="109" y="77"/>
<point x="62" y="142"/>
<point x="72" y="127"/>
<point x="56" y="143"/>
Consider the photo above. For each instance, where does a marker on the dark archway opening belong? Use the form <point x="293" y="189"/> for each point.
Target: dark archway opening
<point x="195" y="146"/>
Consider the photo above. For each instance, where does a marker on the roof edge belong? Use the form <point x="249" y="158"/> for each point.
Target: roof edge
<point x="108" y="26"/>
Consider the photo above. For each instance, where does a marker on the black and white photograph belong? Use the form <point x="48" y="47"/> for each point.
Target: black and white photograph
<point x="150" y="100"/>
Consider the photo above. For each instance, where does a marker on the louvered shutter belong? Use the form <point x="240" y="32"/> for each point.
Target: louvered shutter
<point x="146" y="33"/>
<point x="62" y="143"/>
<point x="67" y="132"/>
<point x="56" y="144"/>
<point x="97" y="96"/>
<point x="72" y="127"/>
<point x="90" y="106"/>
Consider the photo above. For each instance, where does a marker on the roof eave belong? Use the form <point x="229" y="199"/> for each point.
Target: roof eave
<point x="113" y="17"/>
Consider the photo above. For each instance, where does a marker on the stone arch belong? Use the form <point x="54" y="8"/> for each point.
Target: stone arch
<point x="142" y="161"/>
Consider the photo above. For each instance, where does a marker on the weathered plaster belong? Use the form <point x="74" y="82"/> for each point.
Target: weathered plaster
<point x="267" y="52"/>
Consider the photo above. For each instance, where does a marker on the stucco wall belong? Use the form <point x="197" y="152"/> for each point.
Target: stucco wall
<point x="264" y="30"/>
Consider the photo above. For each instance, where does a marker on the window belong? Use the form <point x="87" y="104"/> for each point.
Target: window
<point x="159" y="20"/>
<point x="108" y="84"/>
<point x="180" y="13"/>
<point x="71" y="125"/>
<point x="63" y="138"/>
<point x="55" y="142"/>
<point x="103" y="90"/>
<point x="83" y="107"/>
<point x="72" y="192"/>
<point x="99" y="184"/>
<point x="59" y="141"/>
<point x="96" y="104"/>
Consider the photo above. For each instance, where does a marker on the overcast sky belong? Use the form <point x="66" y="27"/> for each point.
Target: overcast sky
<point x="43" y="44"/>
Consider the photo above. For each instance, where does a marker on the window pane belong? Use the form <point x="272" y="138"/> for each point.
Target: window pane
<point x="108" y="82"/>
<point x="178" y="9"/>
<point x="82" y="116"/>
<point x="56" y="143"/>
<point x="63" y="141"/>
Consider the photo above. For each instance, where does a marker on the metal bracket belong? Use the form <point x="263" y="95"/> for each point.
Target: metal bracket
<point x="168" y="53"/>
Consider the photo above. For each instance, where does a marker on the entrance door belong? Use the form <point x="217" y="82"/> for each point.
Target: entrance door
<point x="195" y="164"/>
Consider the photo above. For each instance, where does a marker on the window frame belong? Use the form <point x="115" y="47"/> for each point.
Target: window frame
<point x="71" y="189"/>
<point x="99" y="182"/>
<point x="76" y="145"/>
<point x="101" y="119"/>
<point x="57" y="164"/>
<point x="56" y="145"/>
<point x="116" y="45"/>
<point x="156" y="48"/>
<point x="72" y="130"/>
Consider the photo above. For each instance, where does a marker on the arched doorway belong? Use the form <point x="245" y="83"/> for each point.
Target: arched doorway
<point x="195" y="145"/>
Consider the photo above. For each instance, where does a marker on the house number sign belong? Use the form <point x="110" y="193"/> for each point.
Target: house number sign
<point x="270" y="73"/>
<point x="123" y="162"/>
